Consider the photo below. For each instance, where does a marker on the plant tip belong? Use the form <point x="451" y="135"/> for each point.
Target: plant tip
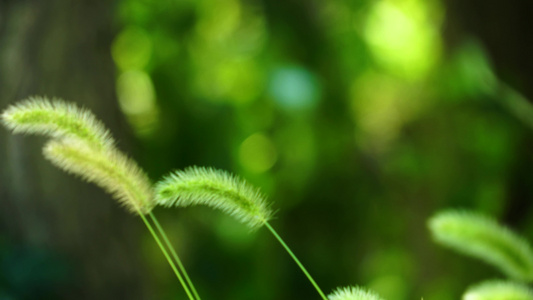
<point x="215" y="188"/>
<point x="353" y="293"/>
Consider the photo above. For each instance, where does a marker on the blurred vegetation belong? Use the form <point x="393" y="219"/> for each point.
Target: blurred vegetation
<point x="355" y="117"/>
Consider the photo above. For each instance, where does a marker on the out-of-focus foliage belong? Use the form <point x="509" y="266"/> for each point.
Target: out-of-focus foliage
<point x="350" y="115"/>
<point x="481" y="237"/>
<point x="498" y="289"/>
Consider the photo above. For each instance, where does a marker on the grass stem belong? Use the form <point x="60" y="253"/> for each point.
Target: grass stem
<point x="296" y="260"/>
<point x="165" y="253"/>
<point x="174" y="254"/>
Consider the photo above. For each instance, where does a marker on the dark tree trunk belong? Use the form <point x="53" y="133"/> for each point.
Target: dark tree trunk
<point x="60" y="237"/>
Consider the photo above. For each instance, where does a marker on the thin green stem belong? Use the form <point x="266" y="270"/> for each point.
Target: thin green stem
<point x="171" y="263"/>
<point x="296" y="260"/>
<point x="174" y="254"/>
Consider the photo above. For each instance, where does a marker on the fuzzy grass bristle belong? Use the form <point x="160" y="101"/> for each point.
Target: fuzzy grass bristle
<point x="57" y="119"/>
<point x="479" y="236"/>
<point x="353" y="293"/>
<point x="111" y="170"/>
<point x="215" y="188"/>
<point x="498" y="290"/>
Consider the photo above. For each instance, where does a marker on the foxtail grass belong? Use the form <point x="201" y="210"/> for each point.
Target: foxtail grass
<point x="481" y="237"/>
<point x="353" y="293"/>
<point x="217" y="189"/>
<point x="221" y="190"/>
<point x="110" y="170"/>
<point x="56" y="119"/>
<point x="498" y="290"/>
<point x="81" y="145"/>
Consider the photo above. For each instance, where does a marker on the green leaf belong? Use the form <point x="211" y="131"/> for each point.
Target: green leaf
<point x="480" y="237"/>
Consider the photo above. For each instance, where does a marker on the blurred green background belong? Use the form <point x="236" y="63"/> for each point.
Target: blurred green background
<point x="359" y="120"/>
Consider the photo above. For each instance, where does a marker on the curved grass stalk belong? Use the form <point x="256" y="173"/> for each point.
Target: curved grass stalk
<point x="56" y="118"/>
<point x="497" y="290"/>
<point x="110" y="170"/>
<point x="215" y="188"/>
<point x="221" y="190"/>
<point x="83" y="146"/>
<point x="169" y="259"/>
<point x="353" y="293"/>
<point x="304" y="270"/>
<point x="116" y="174"/>
<point x="478" y="236"/>
<point x="174" y="254"/>
<point x="120" y="176"/>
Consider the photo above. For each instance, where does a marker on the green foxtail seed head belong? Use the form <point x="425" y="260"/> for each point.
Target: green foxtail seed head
<point x="215" y="188"/>
<point x="110" y="169"/>
<point x="56" y="119"/>
<point x="478" y="236"/>
<point x="498" y="290"/>
<point x="353" y="293"/>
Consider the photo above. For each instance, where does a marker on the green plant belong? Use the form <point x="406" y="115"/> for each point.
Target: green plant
<point x="498" y="289"/>
<point x="223" y="191"/>
<point x="81" y="145"/>
<point x="353" y="293"/>
<point x="479" y="236"/>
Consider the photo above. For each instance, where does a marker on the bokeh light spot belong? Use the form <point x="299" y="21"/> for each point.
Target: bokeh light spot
<point x="377" y="109"/>
<point x="403" y="37"/>
<point x="135" y="92"/>
<point x="136" y="97"/>
<point x="219" y="19"/>
<point x="132" y="49"/>
<point x="390" y="287"/>
<point x="294" y="88"/>
<point x="381" y="106"/>
<point x="257" y="153"/>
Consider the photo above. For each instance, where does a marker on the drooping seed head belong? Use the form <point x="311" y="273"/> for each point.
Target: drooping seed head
<point x="353" y="293"/>
<point x="478" y="236"/>
<point x="111" y="170"/>
<point x="57" y="119"/>
<point x="215" y="188"/>
<point x="498" y="290"/>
